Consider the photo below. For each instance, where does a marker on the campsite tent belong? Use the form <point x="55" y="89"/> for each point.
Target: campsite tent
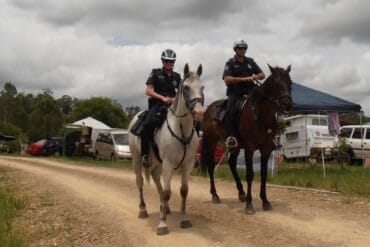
<point x="92" y="126"/>
<point x="306" y="99"/>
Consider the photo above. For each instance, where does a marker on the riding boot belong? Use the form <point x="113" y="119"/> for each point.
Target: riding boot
<point x="231" y="141"/>
<point x="145" y="139"/>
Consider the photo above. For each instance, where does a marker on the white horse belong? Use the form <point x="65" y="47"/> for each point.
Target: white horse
<point x="177" y="143"/>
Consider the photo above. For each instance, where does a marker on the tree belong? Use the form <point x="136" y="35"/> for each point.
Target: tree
<point x="46" y="120"/>
<point x="102" y="109"/>
<point x="66" y="104"/>
<point x="132" y="110"/>
<point x="351" y="118"/>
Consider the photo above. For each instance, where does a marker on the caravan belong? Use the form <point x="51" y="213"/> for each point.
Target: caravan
<point x="307" y="136"/>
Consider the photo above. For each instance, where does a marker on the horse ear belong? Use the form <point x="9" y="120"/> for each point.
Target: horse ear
<point x="271" y="68"/>
<point x="199" y="70"/>
<point x="288" y="68"/>
<point x="186" y="70"/>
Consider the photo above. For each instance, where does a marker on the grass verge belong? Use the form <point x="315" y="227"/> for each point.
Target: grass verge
<point x="10" y="205"/>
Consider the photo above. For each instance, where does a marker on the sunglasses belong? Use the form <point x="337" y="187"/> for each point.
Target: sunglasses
<point x="241" y="48"/>
<point x="168" y="61"/>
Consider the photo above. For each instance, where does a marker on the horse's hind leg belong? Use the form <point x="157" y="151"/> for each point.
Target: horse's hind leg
<point x="140" y="183"/>
<point x="249" y="177"/>
<point x="185" y="221"/>
<point x="266" y="205"/>
<point x="208" y="152"/>
<point x="232" y="164"/>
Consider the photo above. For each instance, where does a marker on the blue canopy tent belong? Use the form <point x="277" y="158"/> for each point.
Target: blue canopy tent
<point x="306" y="99"/>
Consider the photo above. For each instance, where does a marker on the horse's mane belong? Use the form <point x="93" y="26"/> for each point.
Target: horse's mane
<point x="261" y="92"/>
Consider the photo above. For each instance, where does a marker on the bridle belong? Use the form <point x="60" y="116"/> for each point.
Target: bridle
<point x="190" y="103"/>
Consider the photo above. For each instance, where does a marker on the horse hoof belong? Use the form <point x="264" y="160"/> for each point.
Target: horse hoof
<point x="162" y="231"/>
<point x="186" y="224"/>
<point x="266" y="206"/>
<point x="250" y="210"/>
<point x="216" y="199"/>
<point x="242" y="198"/>
<point x="143" y="214"/>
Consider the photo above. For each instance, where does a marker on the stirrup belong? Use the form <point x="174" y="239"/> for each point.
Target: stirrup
<point x="145" y="161"/>
<point x="231" y="143"/>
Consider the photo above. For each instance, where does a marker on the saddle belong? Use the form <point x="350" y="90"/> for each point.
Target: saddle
<point x="220" y="109"/>
<point x="138" y="127"/>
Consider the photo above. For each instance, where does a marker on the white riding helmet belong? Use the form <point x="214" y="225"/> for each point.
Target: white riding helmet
<point x="240" y="44"/>
<point x="168" y="54"/>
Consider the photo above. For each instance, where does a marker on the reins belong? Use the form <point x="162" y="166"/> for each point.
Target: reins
<point x="183" y="139"/>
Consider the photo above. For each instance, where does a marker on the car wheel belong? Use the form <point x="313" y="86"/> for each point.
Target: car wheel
<point x="344" y="159"/>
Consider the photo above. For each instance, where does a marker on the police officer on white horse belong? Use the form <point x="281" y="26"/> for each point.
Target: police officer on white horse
<point x="239" y="75"/>
<point x="161" y="88"/>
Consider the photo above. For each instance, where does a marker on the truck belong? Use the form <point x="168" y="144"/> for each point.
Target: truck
<point x="307" y="136"/>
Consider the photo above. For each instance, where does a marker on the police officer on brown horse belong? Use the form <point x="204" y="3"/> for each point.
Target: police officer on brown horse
<point x="239" y="75"/>
<point x="161" y="88"/>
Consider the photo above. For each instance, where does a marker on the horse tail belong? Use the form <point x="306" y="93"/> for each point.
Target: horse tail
<point x="207" y="154"/>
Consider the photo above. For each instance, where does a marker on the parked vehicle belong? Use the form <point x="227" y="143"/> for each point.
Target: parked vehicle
<point x="307" y="136"/>
<point x="219" y="153"/>
<point x="112" y="144"/>
<point x="51" y="146"/>
<point x="352" y="143"/>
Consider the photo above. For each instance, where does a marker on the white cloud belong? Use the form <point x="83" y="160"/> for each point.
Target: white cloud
<point x="99" y="48"/>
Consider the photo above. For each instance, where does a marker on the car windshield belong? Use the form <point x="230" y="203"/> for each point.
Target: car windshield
<point x="41" y="142"/>
<point x="120" y="139"/>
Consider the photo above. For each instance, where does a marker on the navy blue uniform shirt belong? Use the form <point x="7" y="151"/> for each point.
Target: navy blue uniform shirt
<point x="237" y="69"/>
<point x="163" y="84"/>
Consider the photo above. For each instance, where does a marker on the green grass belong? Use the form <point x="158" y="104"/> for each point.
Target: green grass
<point x="351" y="180"/>
<point x="10" y="206"/>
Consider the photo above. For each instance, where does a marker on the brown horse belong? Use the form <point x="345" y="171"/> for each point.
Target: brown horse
<point x="257" y="129"/>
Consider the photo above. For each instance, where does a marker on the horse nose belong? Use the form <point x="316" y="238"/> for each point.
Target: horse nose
<point x="198" y="114"/>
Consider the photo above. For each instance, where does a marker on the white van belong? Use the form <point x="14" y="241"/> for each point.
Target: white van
<point x="357" y="137"/>
<point x="112" y="144"/>
<point x="307" y="136"/>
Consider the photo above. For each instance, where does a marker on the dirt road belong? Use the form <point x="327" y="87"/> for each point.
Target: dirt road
<point x="97" y="206"/>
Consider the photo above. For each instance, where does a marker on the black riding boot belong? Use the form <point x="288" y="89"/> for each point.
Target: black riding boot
<point x="231" y="141"/>
<point x="145" y="139"/>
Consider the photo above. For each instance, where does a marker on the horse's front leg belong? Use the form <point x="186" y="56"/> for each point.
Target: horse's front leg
<point x="185" y="221"/>
<point x="264" y="162"/>
<point x="232" y="165"/>
<point x="166" y="195"/>
<point x="249" y="177"/>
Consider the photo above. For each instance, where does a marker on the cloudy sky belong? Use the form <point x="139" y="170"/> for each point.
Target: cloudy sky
<point x="107" y="48"/>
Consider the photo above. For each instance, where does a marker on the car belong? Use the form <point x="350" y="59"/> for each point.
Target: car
<point x="49" y="146"/>
<point x="352" y="143"/>
<point x="112" y="144"/>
